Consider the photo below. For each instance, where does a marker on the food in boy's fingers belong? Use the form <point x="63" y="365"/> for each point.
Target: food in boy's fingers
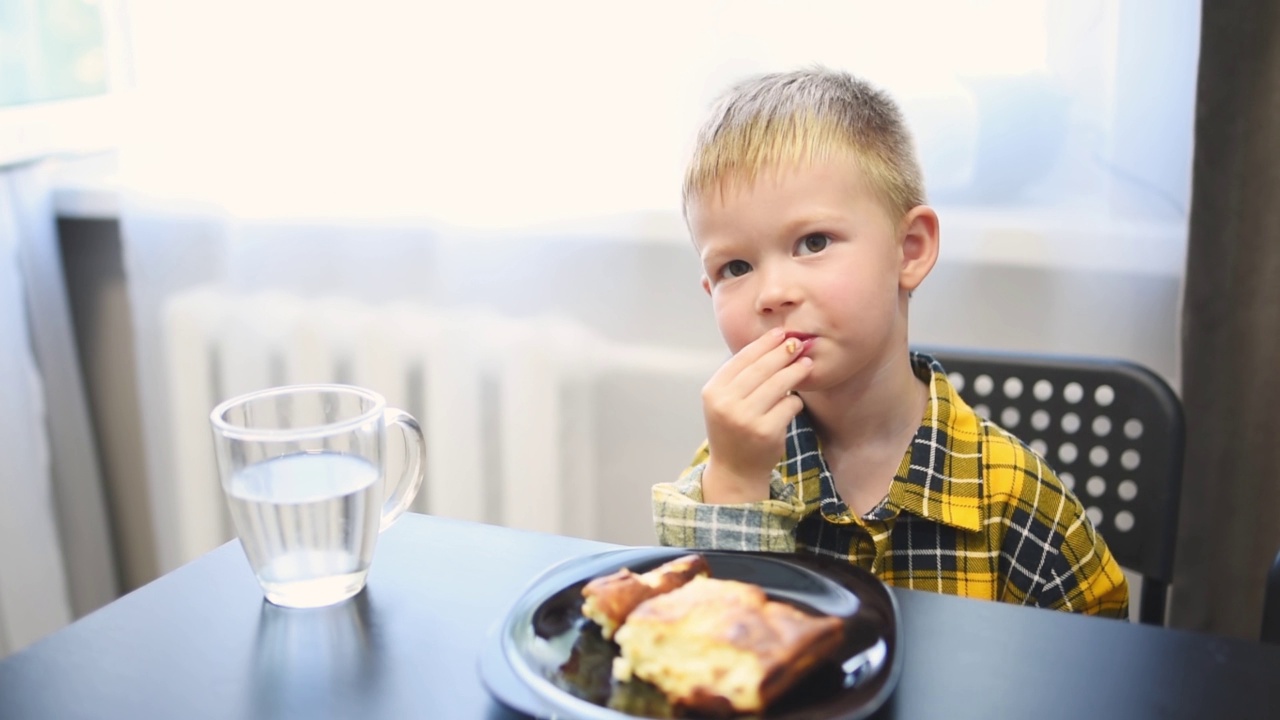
<point x="610" y="599"/>
<point x="721" y="646"/>
<point x="798" y="343"/>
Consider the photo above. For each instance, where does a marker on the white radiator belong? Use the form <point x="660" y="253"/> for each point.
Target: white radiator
<point x="532" y="423"/>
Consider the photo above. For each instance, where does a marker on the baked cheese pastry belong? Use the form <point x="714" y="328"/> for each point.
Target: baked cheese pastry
<point x="721" y="646"/>
<point x="610" y="599"/>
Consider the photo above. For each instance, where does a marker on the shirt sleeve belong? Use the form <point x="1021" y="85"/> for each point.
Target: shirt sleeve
<point x="681" y="519"/>
<point x="1084" y="577"/>
<point x="1051" y="556"/>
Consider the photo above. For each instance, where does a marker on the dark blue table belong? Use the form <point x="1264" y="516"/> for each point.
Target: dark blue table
<point x="200" y="643"/>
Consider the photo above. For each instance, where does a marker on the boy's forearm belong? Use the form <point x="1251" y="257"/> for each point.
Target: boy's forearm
<point x="681" y="519"/>
<point x="724" y="486"/>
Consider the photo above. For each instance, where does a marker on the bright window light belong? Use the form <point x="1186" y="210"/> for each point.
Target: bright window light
<point x="51" y="50"/>
<point x="507" y="113"/>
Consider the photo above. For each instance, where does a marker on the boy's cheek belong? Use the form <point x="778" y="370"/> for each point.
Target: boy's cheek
<point x="738" y="324"/>
<point x="732" y="328"/>
<point x="737" y="335"/>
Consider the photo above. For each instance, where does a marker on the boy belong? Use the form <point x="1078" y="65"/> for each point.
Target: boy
<point x="806" y="204"/>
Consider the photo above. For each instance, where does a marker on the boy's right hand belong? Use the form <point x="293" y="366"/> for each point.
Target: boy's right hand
<point x="748" y="406"/>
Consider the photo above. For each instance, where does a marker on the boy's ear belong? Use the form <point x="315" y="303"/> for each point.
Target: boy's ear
<point x="706" y="284"/>
<point x="919" y="246"/>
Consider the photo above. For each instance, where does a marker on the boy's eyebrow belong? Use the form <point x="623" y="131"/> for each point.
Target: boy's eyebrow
<point x="714" y="251"/>
<point x="712" y="254"/>
<point x="808" y="220"/>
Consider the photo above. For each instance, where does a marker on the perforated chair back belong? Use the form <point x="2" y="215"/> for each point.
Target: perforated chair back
<point x="1112" y="431"/>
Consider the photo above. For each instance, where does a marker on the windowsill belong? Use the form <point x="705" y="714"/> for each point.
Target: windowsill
<point x="1060" y="238"/>
<point x="1040" y="238"/>
<point x="58" y="129"/>
<point x="87" y="188"/>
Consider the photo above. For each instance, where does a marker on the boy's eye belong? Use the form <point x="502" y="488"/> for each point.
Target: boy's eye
<point x="811" y="244"/>
<point x="734" y="268"/>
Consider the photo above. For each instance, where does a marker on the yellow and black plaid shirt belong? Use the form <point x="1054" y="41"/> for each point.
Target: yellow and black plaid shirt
<point x="972" y="511"/>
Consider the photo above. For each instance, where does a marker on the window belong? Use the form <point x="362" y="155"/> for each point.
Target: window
<point x="50" y="50"/>
<point x="60" y="60"/>
<point x="1051" y="131"/>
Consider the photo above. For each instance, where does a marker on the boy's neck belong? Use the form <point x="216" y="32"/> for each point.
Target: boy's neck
<point x="876" y="411"/>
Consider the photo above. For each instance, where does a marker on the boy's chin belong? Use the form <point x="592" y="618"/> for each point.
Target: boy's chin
<point x="819" y="382"/>
<point x="810" y="385"/>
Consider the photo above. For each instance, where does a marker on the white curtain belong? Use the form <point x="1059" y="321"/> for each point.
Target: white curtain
<point x="498" y="173"/>
<point x="56" y="558"/>
<point x="25" y="490"/>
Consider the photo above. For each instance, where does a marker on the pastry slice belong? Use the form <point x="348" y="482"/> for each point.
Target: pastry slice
<point x="721" y="646"/>
<point x="610" y="599"/>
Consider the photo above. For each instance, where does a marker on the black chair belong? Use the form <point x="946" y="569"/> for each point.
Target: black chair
<point x="1112" y="430"/>
<point x="1271" y="605"/>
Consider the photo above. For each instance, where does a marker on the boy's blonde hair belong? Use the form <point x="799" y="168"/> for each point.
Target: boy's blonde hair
<point x="801" y="117"/>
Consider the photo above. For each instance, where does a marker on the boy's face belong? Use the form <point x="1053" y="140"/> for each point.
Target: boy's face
<point x="813" y="251"/>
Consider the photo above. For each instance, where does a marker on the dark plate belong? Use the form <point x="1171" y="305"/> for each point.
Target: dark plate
<point x="544" y="659"/>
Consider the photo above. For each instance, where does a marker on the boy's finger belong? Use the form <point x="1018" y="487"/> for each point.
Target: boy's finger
<point x="784" y="411"/>
<point x="728" y="374"/>
<point x="755" y="375"/>
<point x="776" y="386"/>
<point x="757" y="349"/>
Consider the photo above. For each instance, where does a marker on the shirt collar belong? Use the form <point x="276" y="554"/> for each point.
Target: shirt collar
<point x="940" y="477"/>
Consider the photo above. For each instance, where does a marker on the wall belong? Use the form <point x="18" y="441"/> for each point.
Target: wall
<point x="644" y="292"/>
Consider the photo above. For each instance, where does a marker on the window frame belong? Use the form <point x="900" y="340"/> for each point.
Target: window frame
<point x="74" y="126"/>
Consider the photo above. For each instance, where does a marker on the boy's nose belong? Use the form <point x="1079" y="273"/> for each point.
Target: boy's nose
<point x="777" y="293"/>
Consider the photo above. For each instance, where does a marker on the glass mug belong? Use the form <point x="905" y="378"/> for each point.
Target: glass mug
<point x="303" y="470"/>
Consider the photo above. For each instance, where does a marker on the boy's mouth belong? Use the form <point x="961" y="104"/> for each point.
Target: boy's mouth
<point x="798" y="343"/>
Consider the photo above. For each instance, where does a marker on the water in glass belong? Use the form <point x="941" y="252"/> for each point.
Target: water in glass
<point x="308" y="522"/>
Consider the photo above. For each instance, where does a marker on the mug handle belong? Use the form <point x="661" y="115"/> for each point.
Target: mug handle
<point x="410" y="482"/>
